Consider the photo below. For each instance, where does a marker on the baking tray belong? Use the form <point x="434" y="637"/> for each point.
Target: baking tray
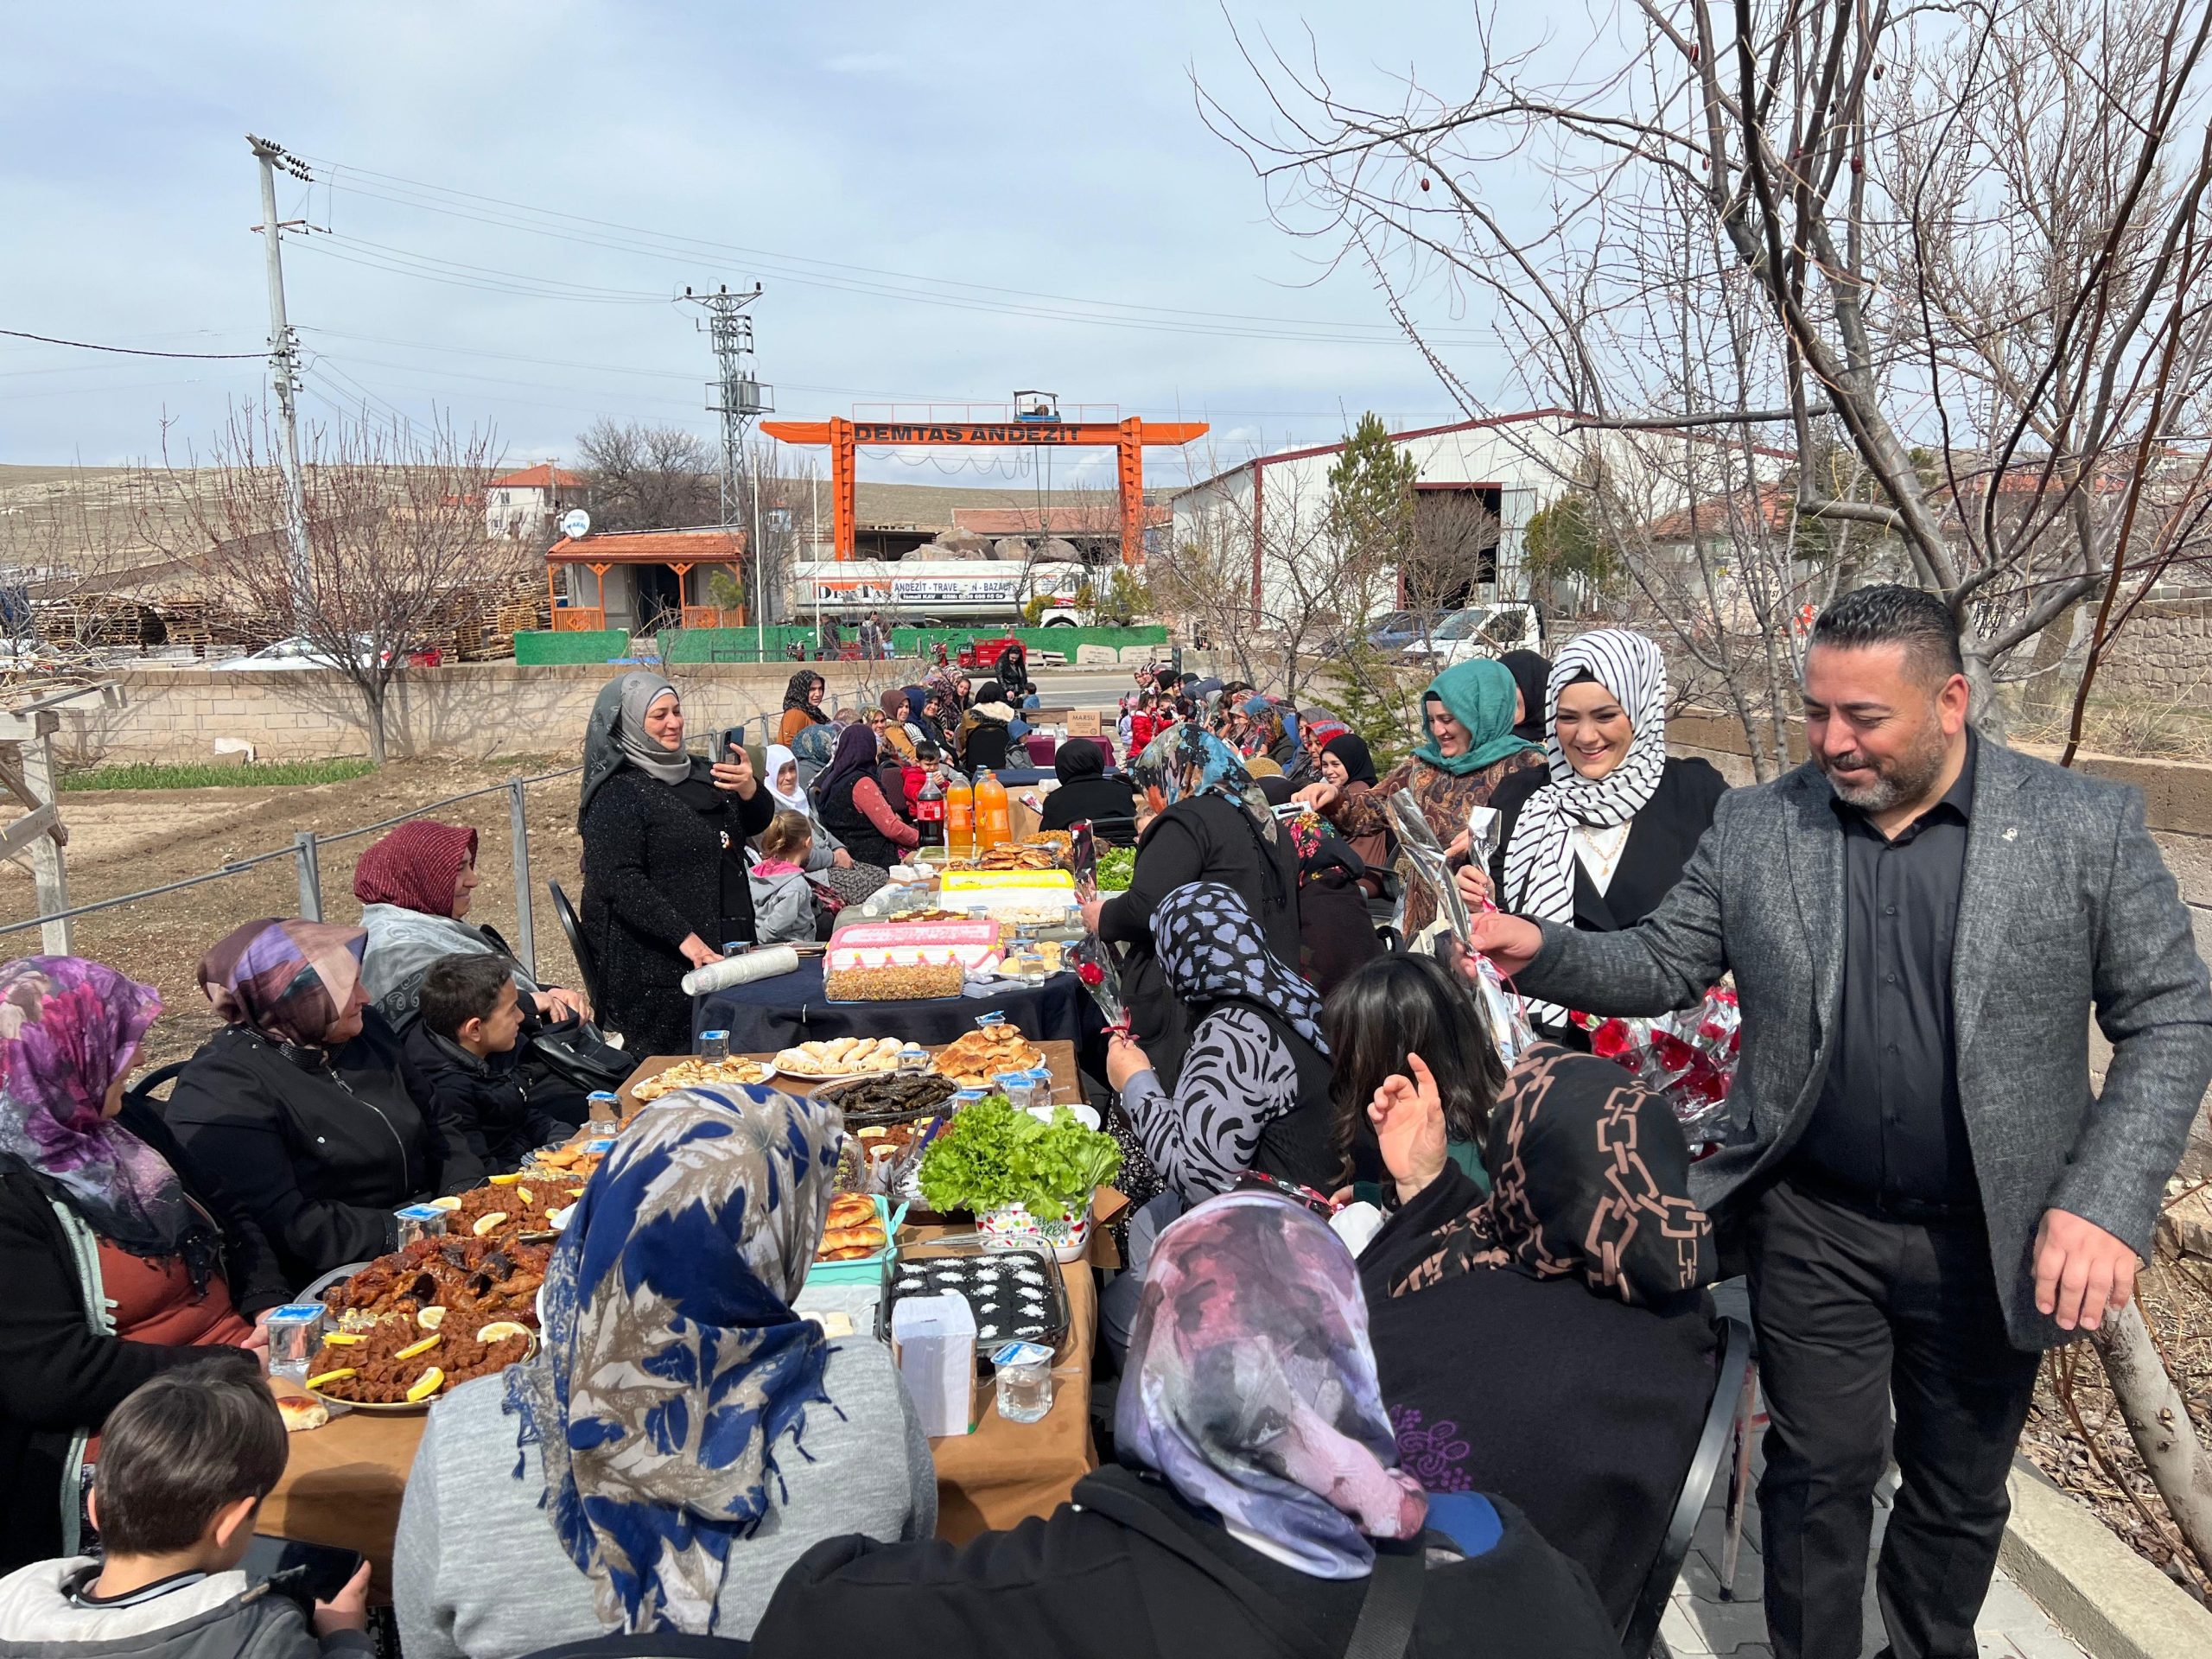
<point x="961" y="1263"/>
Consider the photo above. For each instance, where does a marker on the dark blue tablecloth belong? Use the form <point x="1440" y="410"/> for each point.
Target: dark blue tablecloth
<point x="772" y="1013"/>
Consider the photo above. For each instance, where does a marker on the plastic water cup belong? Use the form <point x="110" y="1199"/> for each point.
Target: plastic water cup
<point x="294" y="1331"/>
<point x="714" y="1046"/>
<point x="1024" y="1382"/>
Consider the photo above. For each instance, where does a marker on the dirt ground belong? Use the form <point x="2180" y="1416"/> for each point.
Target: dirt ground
<point x="126" y="841"/>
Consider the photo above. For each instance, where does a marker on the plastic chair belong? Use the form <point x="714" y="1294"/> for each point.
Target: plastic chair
<point x="143" y="1089"/>
<point x="672" y="1644"/>
<point x="572" y="929"/>
<point x="1719" y="1445"/>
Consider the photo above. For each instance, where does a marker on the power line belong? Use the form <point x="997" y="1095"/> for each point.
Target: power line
<point x="133" y="351"/>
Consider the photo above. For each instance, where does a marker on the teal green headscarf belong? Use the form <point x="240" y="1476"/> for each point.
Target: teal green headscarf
<point x="1480" y="695"/>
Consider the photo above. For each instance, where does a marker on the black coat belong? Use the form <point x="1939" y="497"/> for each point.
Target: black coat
<point x="653" y="874"/>
<point x="1661" y="839"/>
<point x="485" y="1103"/>
<point x="986" y="745"/>
<point x="1089" y="797"/>
<point x="1476" y="1368"/>
<point x="1202" y="838"/>
<point x="1127" y="1570"/>
<point x="319" y="1152"/>
<point x="57" y="1375"/>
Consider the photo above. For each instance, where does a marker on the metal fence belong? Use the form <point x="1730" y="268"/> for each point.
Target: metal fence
<point x="305" y="853"/>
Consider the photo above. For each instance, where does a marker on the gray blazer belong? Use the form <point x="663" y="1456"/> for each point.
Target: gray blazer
<point x="2066" y="907"/>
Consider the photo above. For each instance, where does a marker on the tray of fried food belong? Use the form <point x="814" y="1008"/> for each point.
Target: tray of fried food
<point x="394" y="1366"/>
<point x="521" y="1205"/>
<point x="572" y="1164"/>
<point x="696" y="1073"/>
<point x="857" y="1229"/>
<point x="434" y="1279"/>
<point x="1017" y="855"/>
<point x="975" y="1059"/>
<point x="839" y="1057"/>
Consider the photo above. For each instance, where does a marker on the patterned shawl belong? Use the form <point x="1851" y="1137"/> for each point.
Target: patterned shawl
<point x="416" y="867"/>
<point x="671" y="1364"/>
<point x="1211" y="948"/>
<point x="1186" y="759"/>
<point x="290" y="981"/>
<point x="1590" y="1176"/>
<point x="68" y="1029"/>
<point x="1540" y="864"/>
<point x="1251" y="1386"/>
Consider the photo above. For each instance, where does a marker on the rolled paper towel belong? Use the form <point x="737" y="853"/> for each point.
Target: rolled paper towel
<point x="765" y="963"/>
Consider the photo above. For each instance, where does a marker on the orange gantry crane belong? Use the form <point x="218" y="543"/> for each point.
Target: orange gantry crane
<point x="1037" y="423"/>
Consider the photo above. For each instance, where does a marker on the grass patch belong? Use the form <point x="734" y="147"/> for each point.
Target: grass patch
<point x="202" y="775"/>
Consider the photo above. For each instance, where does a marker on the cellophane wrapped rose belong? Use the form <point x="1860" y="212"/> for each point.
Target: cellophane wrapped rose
<point x="1689" y="1057"/>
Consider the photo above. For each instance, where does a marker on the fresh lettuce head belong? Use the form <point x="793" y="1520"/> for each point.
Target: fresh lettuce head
<point x="993" y="1155"/>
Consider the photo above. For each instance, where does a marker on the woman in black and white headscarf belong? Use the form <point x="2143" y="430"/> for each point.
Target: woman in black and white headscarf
<point x="1599" y="837"/>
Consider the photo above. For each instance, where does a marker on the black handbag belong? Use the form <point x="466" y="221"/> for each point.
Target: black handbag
<point x="571" y="1050"/>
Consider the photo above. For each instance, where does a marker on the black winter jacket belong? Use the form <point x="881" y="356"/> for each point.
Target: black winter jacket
<point x="319" y="1151"/>
<point x="653" y="873"/>
<point x="1127" y="1570"/>
<point x="1202" y="838"/>
<point x="485" y="1105"/>
<point x="58" y="1376"/>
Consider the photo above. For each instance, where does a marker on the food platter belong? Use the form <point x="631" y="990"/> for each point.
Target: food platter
<point x="695" y="1073"/>
<point x="838" y="1060"/>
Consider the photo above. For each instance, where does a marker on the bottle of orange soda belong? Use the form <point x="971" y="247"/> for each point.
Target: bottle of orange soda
<point x="959" y="818"/>
<point x="994" y="822"/>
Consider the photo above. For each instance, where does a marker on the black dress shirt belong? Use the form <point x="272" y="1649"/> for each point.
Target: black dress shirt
<point x="1888" y="1132"/>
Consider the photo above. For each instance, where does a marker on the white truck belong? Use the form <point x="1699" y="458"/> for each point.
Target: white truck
<point x="928" y="591"/>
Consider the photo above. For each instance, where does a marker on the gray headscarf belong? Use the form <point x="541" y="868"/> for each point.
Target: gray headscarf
<point x="616" y="736"/>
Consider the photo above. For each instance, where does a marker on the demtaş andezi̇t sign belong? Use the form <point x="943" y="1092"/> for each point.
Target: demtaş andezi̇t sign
<point x="1008" y="432"/>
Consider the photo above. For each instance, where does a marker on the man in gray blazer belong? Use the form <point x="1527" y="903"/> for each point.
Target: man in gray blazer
<point x="1922" y="924"/>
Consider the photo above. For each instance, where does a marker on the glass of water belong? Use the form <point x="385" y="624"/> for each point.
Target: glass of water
<point x="1025" y="1381"/>
<point x="714" y="1046"/>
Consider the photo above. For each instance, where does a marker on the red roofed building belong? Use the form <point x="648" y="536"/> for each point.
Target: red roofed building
<point x="521" y="507"/>
<point x="647" y="579"/>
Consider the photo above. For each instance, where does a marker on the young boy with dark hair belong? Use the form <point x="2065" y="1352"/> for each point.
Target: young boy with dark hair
<point x="185" y="1462"/>
<point x="463" y="1062"/>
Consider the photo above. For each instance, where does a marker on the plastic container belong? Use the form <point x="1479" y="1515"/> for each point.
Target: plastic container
<point x="604" y="1104"/>
<point x="993" y="820"/>
<point x="959" y="818"/>
<point x="934" y="1340"/>
<point x="294" y="1331"/>
<point x="419" y="1221"/>
<point x="714" y="1046"/>
<point x="1024" y="1382"/>
<point x="1018" y="1087"/>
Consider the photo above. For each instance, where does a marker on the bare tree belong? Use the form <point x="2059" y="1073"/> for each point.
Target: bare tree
<point x="395" y="530"/>
<point x="1975" y="237"/>
<point x="646" y="477"/>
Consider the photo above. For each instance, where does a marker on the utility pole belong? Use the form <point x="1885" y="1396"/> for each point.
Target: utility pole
<point x="737" y="396"/>
<point x="283" y="362"/>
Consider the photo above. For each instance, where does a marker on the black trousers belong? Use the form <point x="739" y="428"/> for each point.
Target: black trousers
<point x="1856" y="1316"/>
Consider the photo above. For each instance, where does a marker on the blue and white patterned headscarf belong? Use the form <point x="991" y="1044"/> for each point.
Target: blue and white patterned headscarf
<point x="671" y="1364"/>
<point x="1211" y="948"/>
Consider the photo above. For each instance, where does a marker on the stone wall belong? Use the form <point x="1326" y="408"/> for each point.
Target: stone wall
<point x="475" y="711"/>
<point x="2163" y="651"/>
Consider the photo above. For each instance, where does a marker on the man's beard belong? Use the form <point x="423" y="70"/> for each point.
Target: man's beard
<point x="1903" y="778"/>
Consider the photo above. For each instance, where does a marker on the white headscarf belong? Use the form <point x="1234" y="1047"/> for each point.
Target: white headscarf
<point x="1540" y="863"/>
<point x="778" y="757"/>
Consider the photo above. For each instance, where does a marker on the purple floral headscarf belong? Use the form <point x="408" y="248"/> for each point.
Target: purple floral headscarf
<point x="68" y="1029"/>
<point x="1251" y="1388"/>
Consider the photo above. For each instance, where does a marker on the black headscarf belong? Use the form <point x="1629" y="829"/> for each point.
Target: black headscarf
<point x="1351" y="749"/>
<point x="798" y="693"/>
<point x="856" y="755"/>
<point x="1078" y="759"/>
<point x="1532" y="674"/>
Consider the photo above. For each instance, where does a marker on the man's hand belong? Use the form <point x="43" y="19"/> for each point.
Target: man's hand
<point x="1474" y="882"/>
<point x="1508" y="941"/>
<point x="346" y="1610"/>
<point x="2081" y="1271"/>
<point x="1407" y="1113"/>
<point x="1124" y="1059"/>
<point x="734" y="773"/>
<point x="698" y="952"/>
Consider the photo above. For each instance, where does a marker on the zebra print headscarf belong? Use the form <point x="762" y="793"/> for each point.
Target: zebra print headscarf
<point x="1540" y="863"/>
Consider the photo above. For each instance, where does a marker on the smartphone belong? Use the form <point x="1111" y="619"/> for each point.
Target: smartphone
<point x="306" y="1573"/>
<point x="1320" y="1204"/>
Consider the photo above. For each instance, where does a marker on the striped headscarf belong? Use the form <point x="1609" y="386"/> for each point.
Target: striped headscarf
<point x="1540" y="864"/>
<point x="290" y="981"/>
<point x="672" y="1365"/>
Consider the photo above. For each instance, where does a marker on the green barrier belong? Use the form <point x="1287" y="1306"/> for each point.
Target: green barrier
<point x="539" y="649"/>
<point x="773" y="644"/>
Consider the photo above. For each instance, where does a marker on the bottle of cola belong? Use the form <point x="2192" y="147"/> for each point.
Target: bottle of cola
<point x="929" y="814"/>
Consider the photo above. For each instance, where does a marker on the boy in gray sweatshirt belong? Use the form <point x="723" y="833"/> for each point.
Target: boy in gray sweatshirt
<point x="184" y="1463"/>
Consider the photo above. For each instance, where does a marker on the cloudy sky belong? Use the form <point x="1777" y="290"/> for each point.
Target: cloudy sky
<point x="942" y="202"/>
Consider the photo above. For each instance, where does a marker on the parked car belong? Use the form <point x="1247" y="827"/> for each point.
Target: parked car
<point x="1396" y="632"/>
<point x="1478" y="631"/>
<point x="298" y="652"/>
